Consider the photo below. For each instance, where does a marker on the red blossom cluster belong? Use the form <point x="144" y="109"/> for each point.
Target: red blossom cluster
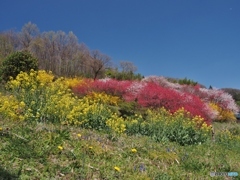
<point x="109" y="86"/>
<point x="83" y="88"/>
<point x="155" y="96"/>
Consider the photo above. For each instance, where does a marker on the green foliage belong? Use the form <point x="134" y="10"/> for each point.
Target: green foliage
<point x="165" y="127"/>
<point x="115" y="74"/>
<point x="128" y="76"/>
<point x="17" y="62"/>
<point x="163" y="133"/>
<point x="187" y="82"/>
<point x="184" y="81"/>
<point x="238" y="103"/>
<point x="127" y="108"/>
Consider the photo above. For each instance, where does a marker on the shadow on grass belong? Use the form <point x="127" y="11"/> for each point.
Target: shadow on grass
<point x="5" y="175"/>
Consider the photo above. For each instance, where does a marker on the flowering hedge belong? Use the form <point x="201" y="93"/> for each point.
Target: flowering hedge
<point x="109" y="86"/>
<point x="166" y="111"/>
<point x="36" y="97"/>
<point x="175" y="112"/>
<point x="155" y="92"/>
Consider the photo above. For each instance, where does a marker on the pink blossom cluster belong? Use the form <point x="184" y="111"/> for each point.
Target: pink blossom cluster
<point x="221" y="98"/>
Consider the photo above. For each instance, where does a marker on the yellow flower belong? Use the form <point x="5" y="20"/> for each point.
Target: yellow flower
<point x="21" y="118"/>
<point x="90" y="147"/>
<point x="79" y="135"/>
<point x="22" y="104"/>
<point x="1" y="129"/>
<point x="117" y="169"/>
<point x="133" y="150"/>
<point x="60" y="147"/>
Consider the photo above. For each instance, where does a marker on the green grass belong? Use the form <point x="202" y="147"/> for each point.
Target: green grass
<point x="30" y="151"/>
<point x="222" y="126"/>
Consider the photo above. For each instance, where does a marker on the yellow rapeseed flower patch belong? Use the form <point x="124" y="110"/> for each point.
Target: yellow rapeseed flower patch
<point x="72" y="82"/>
<point x="223" y="114"/>
<point x="103" y="98"/>
<point x="9" y="107"/>
<point x="117" y="124"/>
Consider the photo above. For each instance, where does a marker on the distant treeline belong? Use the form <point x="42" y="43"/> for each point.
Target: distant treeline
<point x="62" y="54"/>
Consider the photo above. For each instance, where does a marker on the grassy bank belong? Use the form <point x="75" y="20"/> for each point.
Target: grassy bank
<point x="109" y="129"/>
<point x="53" y="151"/>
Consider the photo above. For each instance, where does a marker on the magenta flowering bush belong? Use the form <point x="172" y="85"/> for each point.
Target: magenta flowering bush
<point x="109" y="86"/>
<point x="219" y="97"/>
<point x="155" y="96"/>
<point x="223" y="99"/>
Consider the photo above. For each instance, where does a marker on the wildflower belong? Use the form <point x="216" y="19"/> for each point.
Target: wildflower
<point x="60" y="147"/>
<point x="21" y="118"/>
<point x="79" y="135"/>
<point x="22" y="104"/>
<point x="142" y="168"/>
<point x="90" y="147"/>
<point x="117" y="169"/>
<point x="1" y="129"/>
<point x="133" y="150"/>
<point x="134" y="121"/>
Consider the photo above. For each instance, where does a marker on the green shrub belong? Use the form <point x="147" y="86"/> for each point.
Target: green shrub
<point x="162" y="126"/>
<point x="127" y="108"/>
<point x="17" y="62"/>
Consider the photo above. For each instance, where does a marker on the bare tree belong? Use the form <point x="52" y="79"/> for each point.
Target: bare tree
<point x="128" y="67"/>
<point x="58" y="52"/>
<point x="99" y="62"/>
<point x="28" y="33"/>
<point x="8" y="43"/>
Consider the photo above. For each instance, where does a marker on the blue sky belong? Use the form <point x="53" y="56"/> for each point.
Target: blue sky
<point x="197" y="39"/>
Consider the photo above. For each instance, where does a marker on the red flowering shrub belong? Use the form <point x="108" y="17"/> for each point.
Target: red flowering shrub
<point x="109" y="86"/>
<point x="83" y="88"/>
<point x="196" y="106"/>
<point x="158" y="92"/>
<point x="155" y="96"/>
<point x="219" y="97"/>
